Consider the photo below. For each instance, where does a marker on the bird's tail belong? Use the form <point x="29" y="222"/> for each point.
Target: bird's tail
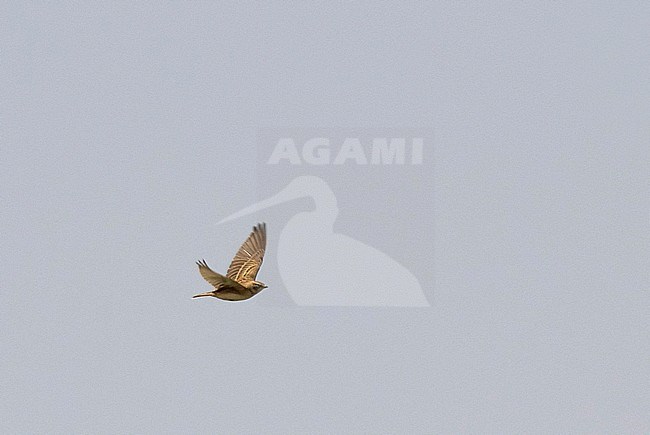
<point x="202" y="295"/>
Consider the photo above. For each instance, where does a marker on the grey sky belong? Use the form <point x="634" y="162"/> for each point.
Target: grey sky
<point x="125" y="130"/>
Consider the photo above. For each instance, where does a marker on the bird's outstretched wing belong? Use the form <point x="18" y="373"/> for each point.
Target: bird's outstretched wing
<point x="217" y="280"/>
<point x="247" y="262"/>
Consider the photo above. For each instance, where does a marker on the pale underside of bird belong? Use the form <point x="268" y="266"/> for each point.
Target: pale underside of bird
<point x="239" y="283"/>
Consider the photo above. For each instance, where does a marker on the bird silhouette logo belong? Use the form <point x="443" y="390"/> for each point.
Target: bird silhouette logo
<point x="321" y="268"/>
<point x="239" y="283"/>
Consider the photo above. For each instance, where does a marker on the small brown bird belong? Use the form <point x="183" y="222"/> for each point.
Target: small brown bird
<point x="239" y="282"/>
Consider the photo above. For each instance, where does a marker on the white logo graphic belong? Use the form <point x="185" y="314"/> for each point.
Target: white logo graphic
<point x="317" y="151"/>
<point x="323" y="268"/>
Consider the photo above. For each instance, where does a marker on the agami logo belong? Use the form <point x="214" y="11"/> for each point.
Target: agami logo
<point x="364" y="236"/>
<point x="319" y="151"/>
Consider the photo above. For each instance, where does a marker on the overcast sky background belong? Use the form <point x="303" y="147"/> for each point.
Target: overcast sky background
<point x="128" y="129"/>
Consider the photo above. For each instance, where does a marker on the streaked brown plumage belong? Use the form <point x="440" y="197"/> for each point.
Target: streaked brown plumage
<point x="239" y="282"/>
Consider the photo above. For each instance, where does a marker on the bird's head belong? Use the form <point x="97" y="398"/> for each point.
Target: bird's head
<point x="258" y="286"/>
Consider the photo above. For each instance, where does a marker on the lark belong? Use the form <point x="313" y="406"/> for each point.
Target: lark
<point x="239" y="283"/>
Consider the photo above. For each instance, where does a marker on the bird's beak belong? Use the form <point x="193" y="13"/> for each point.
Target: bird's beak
<point x="287" y="194"/>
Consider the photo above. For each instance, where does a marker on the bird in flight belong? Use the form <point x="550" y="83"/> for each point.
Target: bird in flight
<point x="239" y="282"/>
